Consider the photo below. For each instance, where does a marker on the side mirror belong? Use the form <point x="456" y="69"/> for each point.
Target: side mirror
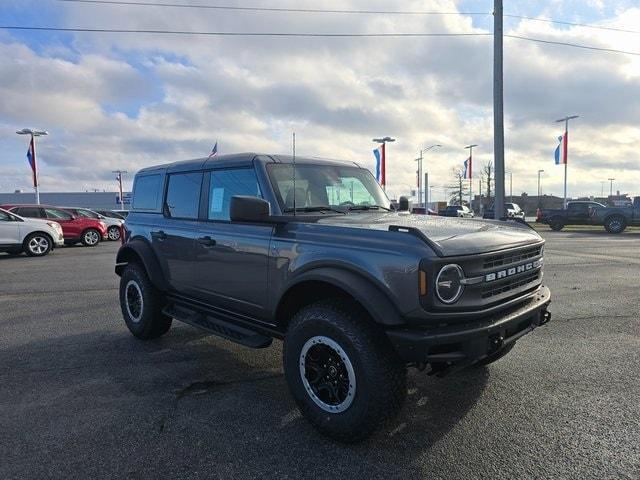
<point x="403" y="204"/>
<point x="249" y="209"/>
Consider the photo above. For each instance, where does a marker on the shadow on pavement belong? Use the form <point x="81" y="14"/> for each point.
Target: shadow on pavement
<point x="190" y="404"/>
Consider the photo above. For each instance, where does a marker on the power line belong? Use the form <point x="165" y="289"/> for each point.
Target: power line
<point x="311" y="35"/>
<point x="574" y="45"/>
<point x="321" y="10"/>
<point x="270" y="9"/>
<point x="244" y="34"/>
<point x="573" y="24"/>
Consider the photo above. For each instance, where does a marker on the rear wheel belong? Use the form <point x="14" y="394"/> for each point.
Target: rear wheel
<point x="615" y="224"/>
<point x="114" y="233"/>
<point x="38" y="244"/>
<point x="343" y="374"/>
<point x="141" y="304"/>
<point x="90" y="237"/>
<point x="556" y="224"/>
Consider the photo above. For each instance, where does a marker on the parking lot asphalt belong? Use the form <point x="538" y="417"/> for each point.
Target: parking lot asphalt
<point x="81" y="398"/>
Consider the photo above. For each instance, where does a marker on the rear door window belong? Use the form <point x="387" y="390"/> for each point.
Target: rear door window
<point x="56" y="214"/>
<point x="227" y="183"/>
<point x="183" y="195"/>
<point x="30" y="212"/>
<point x="147" y="192"/>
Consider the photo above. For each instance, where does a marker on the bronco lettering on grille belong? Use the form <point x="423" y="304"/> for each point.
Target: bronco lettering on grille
<point x="525" y="267"/>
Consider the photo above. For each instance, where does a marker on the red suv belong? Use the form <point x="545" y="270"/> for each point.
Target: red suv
<point x="75" y="229"/>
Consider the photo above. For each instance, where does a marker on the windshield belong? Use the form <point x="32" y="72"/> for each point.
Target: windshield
<point x="328" y="187"/>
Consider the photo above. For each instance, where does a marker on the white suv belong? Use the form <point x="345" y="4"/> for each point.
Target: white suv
<point x="32" y="236"/>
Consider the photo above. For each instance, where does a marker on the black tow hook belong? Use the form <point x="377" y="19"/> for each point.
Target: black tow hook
<point x="545" y="317"/>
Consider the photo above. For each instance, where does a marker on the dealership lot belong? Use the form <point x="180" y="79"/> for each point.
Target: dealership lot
<point x="81" y="398"/>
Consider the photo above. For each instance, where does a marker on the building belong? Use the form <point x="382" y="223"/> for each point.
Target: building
<point x="96" y="200"/>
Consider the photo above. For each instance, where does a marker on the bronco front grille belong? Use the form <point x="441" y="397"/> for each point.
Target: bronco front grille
<point x="512" y="257"/>
<point x="509" y="284"/>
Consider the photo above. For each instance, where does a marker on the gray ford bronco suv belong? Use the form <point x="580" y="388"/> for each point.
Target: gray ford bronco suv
<point x="254" y="247"/>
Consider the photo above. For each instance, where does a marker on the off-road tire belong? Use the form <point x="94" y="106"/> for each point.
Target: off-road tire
<point x="615" y="224"/>
<point x="495" y="356"/>
<point x="556" y="224"/>
<point x="37" y="244"/>
<point x="114" y="233"/>
<point x="380" y="375"/>
<point x="90" y="237"/>
<point x="149" y="322"/>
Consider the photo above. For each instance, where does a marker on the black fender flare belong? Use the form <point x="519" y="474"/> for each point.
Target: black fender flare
<point x="372" y="298"/>
<point x="140" y="250"/>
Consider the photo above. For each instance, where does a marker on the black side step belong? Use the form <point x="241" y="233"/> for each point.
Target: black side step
<point x="217" y="326"/>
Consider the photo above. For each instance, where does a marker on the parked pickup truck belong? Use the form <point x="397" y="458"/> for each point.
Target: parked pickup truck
<point x="254" y="247"/>
<point x="616" y="219"/>
<point x="576" y="213"/>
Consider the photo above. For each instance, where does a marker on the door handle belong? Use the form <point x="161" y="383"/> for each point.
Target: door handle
<point x="207" y="241"/>
<point x="159" y="235"/>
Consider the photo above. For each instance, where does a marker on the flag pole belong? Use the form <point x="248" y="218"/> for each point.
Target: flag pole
<point x="565" y="151"/>
<point x="566" y="159"/>
<point x="35" y="171"/>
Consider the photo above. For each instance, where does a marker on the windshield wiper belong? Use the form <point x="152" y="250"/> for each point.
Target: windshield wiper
<point x="369" y="207"/>
<point x="319" y="208"/>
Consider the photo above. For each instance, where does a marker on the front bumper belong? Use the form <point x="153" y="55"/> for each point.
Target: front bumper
<point x="464" y="344"/>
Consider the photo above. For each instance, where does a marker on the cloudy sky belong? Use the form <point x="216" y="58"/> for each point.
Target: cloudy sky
<point x="127" y="101"/>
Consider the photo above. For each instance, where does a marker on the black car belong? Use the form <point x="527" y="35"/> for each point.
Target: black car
<point x="254" y="247"/>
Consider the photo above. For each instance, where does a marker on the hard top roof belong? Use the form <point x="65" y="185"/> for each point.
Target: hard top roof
<point x="239" y="160"/>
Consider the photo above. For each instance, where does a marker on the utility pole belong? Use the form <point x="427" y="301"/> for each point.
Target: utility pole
<point x="498" y="110"/>
<point x="426" y="190"/>
<point x="565" y="154"/>
<point x="511" y="187"/>
<point x="119" y="179"/>
<point x="611" y="187"/>
<point x="31" y="156"/>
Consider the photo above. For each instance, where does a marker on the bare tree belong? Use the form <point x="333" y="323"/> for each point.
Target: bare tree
<point x="460" y="187"/>
<point x="488" y="179"/>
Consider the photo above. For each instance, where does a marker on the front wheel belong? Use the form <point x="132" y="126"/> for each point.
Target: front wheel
<point x="90" y="237"/>
<point x="141" y="304"/>
<point x="113" y="233"/>
<point x="38" y="245"/>
<point x="343" y="374"/>
<point x="615" y="224"/>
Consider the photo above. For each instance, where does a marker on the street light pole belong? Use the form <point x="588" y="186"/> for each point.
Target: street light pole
<point x="539" y="191"/>
<point x="611" y="187"/>
<point x="32" y="156"/>
<point x="426" y="176"/>
<point x="383" y="166"/>
<point x="119" y="178"/>
<point x="566" y="152"/>
<point x="511" y="187"/>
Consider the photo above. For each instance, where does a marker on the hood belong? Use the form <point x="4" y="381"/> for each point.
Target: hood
<point x="450" y="236"/>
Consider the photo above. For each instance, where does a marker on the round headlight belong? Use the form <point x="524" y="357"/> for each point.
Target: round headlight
<point x="449" y="283"/>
